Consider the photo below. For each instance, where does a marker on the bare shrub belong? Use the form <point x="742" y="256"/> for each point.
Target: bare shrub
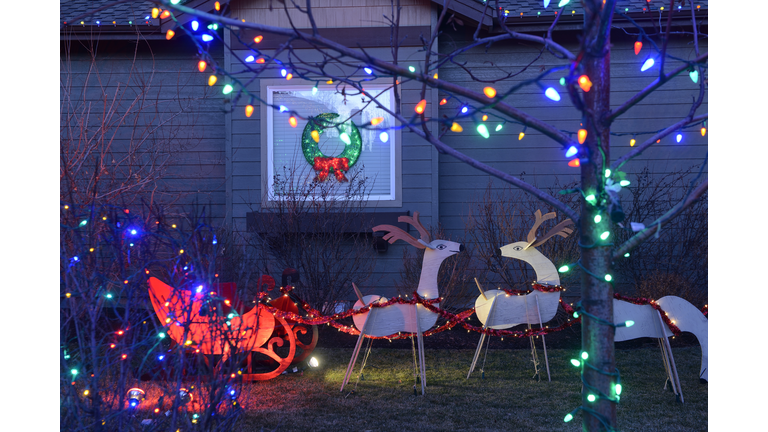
<point x="679" y="252"/>
<point x="319" y="228"/>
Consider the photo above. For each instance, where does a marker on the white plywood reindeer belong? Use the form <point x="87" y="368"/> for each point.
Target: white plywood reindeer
<point x="498" y="310"/>
<point x="405" y="317"/>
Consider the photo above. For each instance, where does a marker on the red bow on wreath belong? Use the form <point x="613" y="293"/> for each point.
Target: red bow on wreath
<point x="325" y="164"/>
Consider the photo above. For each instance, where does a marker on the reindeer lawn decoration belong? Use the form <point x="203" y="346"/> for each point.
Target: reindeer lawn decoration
<point x="409" y="318"/>
<point x="497" y="309"/>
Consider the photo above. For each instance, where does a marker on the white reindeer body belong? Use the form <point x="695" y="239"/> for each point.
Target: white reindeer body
<point x="648" y="323"/>
<point x="395" y="318"/>
<point x="511" y="310"/>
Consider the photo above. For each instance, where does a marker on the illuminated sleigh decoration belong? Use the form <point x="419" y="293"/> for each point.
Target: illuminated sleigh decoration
<point x="212" y="333"/>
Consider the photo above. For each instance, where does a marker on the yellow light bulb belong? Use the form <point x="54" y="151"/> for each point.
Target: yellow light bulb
<point x="315" y="136"/>
<point x="520" y="136"/>
<point x="632" y="142"/>
<point x="248" y="110"/>
<point x="582" y="136"/>
<point x="292" y="121"/>
<point x="155" y="12"/>
<point x="485" y="117"/>
<point x="455" y="127"/>
<point x="169" y="34"/>
<point x="258" y="39"/>
<point x="376" y="120"/>
<point x="212" y="80"/>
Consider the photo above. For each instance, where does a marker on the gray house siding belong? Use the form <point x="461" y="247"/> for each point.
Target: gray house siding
<point x="178" y="112"/>
<point x="539" y="160"/>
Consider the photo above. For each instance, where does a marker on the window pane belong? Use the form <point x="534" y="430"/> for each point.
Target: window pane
<point x="376" y="161"/>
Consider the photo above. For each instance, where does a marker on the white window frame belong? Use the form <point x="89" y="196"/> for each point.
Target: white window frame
<point x="268" y="86"/>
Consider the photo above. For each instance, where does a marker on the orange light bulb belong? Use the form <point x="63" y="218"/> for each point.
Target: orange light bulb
<point x="248" y="110"/>
<point x="574" y="163"/>
<point x="292" y="121"/>
<point x="444" y="101"/>
<point x="455" y="127"/>
<point x="490" y="92"/>
<point x="585" y="83"/>
<point x="260" y="60"/>
<point x="212" y="80"/>
<point x="376" y="120"/>
<point x="485" y="117"/>
<point x="201" y="65"/>
<point x="421" y="106"/>
<point x="638" y="47"/>
<point x="169" y="34"/>
<point x="288" y="77"/>
<point x="217" y="6"/>
<point x="165" y="14"/>
<point x="582" y="136"/>
<point x="258" y="39"/>
<point x="329" y="82"/>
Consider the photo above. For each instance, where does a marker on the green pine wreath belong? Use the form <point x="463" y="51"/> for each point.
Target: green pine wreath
<point x="320" y="123"/>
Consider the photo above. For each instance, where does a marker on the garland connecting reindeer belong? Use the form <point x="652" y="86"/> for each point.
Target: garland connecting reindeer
<point x="315" y="317"/>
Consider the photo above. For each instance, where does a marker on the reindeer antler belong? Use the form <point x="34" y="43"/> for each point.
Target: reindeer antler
<point x="416" y="224"/>
<point x="396" y="233"/>
<point x="559" y="229"/>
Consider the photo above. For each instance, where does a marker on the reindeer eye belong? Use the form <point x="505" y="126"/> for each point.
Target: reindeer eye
<point x="441" y="247"/>
<point x="518" y="248"/>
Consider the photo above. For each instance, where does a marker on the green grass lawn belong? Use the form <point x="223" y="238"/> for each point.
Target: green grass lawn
<point x="507" y="399"/>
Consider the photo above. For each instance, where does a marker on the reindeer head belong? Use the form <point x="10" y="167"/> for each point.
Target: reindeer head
<point x="526" y="250"/>
<point x="439" y="249"/>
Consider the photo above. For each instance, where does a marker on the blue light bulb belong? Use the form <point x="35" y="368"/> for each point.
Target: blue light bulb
<point x="283" y="108"/>
<point x="679" y="137"/>
<point x="134" y="232"/>
<point x="160" y="357"/>
<point x="283" y="72"/>
<point x="207" y="38"/>
<point x="571" y="151"/>
<point x="647" y="65"/>
<point x="384" y="137"/>
<point x="195" y="25"/>
<point x="464" y="109"/>
<point x="368" y="71"/>
<point x="250" y="59"/>
<point x="552" y="94"/>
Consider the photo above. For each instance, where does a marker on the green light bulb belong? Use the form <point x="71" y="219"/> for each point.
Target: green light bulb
<point x="618" y="389"/>
<point x="562" y="81"/>
<point x="591" y="398"/>
<point x="483" y="131"/>
<point x="84" y="222"/>
<point x="74" y="372"/>
<point x="584" y="355"/>
<point x="605" y="235"/>
<point x="230" y="316"/>
<point x="608" y="278"/>
<point x="109" y="296"/>
<point x="629" y="323"/>
<point x="624" y="183"/>
<point x="314" y="90"/>
<point x="411" y="68"/>
<point x="575" y="314"/>
<point x="498" y="128"/>
<point x="344" y="137"/>
<point x="626" y="255"/>
<point x="568" y="417"/>
<point x="607" y="173"/>
<point x="598" y="218"/>
<point x="161" y="335"/>
<point x="563" y="269"/>
<point x="575" y="363"/>
<point x="227" y="89"/>
<point x="591" y="199"/>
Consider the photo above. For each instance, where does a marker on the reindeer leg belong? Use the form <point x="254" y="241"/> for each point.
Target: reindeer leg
<point x="477" y="354"/>
<point x="673" y="370"/>
<point x="420" y="341"/>
<point x="353" y="359"/>
<point x="544" y="342"/>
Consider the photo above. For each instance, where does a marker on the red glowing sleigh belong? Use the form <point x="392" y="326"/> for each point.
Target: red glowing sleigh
<point x="220" y="324"/>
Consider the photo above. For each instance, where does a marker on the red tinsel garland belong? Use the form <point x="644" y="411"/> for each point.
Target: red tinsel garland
<point x="644" y="301"/>
<point x="315" y="317"/>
